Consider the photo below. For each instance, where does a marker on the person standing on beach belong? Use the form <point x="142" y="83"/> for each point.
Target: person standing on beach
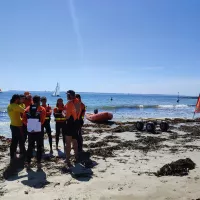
<point x="46" y="124"/>
<point x="22" y="104"/>
<point x="81" y="122"/>
<point x="71" y="112"/>
<point x="22" y="100"/>
<point x="14" y="111"/>
<point x="60" y="121"/>
<point x="35" y="111"/>
<point x="28" y="99"/>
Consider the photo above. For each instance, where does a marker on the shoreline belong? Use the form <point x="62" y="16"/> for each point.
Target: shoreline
<point x="124" y="163"/>
<point x="118" y="121"/>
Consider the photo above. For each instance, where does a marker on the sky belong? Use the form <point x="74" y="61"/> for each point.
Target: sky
<point x="119" y="46"/>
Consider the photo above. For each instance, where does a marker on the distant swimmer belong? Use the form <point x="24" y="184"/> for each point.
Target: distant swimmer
<point x="111" y="98"/>
<point x="96" y="111"/>
<point x="178" y="98"/>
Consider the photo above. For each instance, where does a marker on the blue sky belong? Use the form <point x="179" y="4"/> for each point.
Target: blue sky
<point x="125" y="46"/>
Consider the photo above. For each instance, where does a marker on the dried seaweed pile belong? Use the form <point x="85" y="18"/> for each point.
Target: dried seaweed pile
<point x="180" y="167"/>
<point x="144" y="144"/>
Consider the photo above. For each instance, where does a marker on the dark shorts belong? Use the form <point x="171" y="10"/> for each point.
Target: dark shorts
<point x="71" y="129"/>
<point x="81" y="122"/>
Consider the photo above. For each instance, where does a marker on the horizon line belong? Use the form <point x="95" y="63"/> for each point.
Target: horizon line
<point x="127" y="93"/>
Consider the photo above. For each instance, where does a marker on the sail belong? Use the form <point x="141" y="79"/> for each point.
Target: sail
<point x="56" y="93"/>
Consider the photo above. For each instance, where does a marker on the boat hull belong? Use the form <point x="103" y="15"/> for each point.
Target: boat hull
<point x="55" y="95"/>
<point x="100" y="117"/>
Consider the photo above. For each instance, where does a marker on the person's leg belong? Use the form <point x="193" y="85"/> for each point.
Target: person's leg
<point x="80" y="134"/>
<point x="31" y="144"/>
<point x="63" y="133"/>
<point x="24" y="130"/>
<point x="75" y="147"/>
<point x="43" y="127"/>
<point x="21" y="141"/>
<point x="68" y="148"/>
<point x="48" y="130"/>
<point x="39" y="140"/>
<point x="76" y="139"/>
<point x="57" y="133"/>
<point x="80" y="139"/>
<point x="25" y="133"/>
<point x="14" y="141"/>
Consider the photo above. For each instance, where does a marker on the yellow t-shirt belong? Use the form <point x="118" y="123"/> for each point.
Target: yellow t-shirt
<point x="22" y="105"/>
<point x="14" y="111"/>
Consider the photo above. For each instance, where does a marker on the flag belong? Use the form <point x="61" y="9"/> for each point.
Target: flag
<point x="197" y="108"/>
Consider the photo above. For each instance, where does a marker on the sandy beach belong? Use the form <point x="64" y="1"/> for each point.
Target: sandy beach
<point x="124" y="166"/>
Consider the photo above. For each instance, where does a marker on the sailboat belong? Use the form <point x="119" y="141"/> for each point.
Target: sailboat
<point x="0" y="91"/>
<point x="56" y="93"/>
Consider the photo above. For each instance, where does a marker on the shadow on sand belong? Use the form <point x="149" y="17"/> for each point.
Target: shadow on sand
<point x="36" y="179"/>
<point x="11" y="171"/>
<point x="82" y="171"/>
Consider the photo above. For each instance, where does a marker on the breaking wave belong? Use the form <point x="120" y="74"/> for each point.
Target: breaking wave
<point x="118" y="107"/>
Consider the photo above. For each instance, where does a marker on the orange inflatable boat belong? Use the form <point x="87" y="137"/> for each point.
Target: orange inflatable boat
<point x="100" y="117"/>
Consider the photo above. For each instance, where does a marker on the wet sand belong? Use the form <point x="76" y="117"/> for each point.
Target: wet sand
<point x="124" y="164"/>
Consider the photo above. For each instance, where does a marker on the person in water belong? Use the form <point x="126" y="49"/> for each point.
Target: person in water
<point x="96" y="111"/>
<point x="46" y="124"/>
<point x="35" y="111"/>
<point x="60" y="121"/>
<point x="72" y="112"/>
<point x="14" y="111"/>
<point x="81" y="122"/>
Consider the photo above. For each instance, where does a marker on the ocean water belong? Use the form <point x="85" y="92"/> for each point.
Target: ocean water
<point x="123" y="106"/>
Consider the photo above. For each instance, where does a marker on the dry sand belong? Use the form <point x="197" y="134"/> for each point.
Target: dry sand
<point x="124" y="165"/>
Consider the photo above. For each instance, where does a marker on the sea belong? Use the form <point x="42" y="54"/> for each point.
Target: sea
<point x="125" y="107"/>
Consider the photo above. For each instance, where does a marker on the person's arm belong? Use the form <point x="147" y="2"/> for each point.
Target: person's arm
<point x="43" y="116"/>
<point x="49" y="112"/>
<point x="18" y="108"/>
<point x="67" y="111"/>
<point x="24" y="118"/>
<point x="55" y="112"/>
<point x="83" y="111"/>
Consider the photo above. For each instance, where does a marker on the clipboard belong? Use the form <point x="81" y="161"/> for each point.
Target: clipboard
<point x="33" y="125"/>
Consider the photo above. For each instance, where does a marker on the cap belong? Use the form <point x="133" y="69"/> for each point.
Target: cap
<point x="43" y="98"/>
<point x="27" y="93"/>
<point x="71" y="92"/>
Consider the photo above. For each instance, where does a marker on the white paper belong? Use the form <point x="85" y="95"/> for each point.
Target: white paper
<point x="33" y="125"/>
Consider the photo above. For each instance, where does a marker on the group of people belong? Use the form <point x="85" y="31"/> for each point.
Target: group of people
<point x="30" y="116"/>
